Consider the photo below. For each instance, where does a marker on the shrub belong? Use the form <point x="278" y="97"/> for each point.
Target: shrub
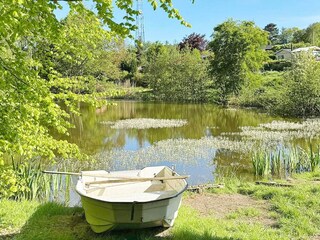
<point x="177" y="75"/>
<point x="11" y="184"/>
<point x="301" y="93"/>
<point x="277" y="65"/>
<point x="262" y="90"/>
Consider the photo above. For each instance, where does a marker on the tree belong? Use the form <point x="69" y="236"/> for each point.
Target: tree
<point x="177" y="75"/>
<point x="299" y="36"/>
<point x="194" y="41"/>
<point x="301" y="94"/>
<point x="84" y="38"/>
<point x="287" y="35"/>
<point x="152" y="51"/>
<point x="237" y="48"/>
<point x="89" y="49"/>
<point x="313" y="34"/>
<point x="75" y="56"/>
<point x="273" y="31"/>
<point x="29" y="113"/>
<point x="106" y="66"/>
<point x="129" y="65"/>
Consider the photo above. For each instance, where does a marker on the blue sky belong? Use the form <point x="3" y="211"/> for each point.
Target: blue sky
<point x="204" y="15"/>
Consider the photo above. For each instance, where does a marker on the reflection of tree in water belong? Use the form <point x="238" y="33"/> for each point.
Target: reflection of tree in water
<point x="114" y="140"/>
<point x="231" y="163"/>
<point x="141" y="136"/>
<point x="213" y="138"/>
<point x="202" y="119"/>
<point x="191" y="143"/>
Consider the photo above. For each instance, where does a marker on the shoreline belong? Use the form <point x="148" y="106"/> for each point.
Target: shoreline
<point x="238" y="210"/>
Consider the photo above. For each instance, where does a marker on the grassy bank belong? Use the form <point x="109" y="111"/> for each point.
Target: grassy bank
<point x="239" y="211"/>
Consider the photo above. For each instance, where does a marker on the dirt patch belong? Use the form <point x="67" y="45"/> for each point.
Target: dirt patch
<point x="8" y="234"/>
<point x="317" y="237"/>
<point x="223" y="205"/>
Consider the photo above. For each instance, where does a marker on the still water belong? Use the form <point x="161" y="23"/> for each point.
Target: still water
<point x="190" y="148"/>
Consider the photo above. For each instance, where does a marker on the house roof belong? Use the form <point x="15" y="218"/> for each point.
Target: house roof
<point x="306" y="49"/>
<point x="284" y="50"/>
<point x="268" y="47"/>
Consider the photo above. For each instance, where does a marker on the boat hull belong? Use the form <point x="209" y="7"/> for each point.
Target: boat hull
<point x="105" y="216"/>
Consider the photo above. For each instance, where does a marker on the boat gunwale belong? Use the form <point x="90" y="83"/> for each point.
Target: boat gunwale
<point x="150" y="201"/>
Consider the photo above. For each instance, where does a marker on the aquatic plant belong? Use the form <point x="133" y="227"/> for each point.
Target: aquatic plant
<point x="269" y="145"/>
<point x="261" y="163"/>
<point x="185" y="151"/>
<point x="279" y="132"/>
<point x="10" y="185"/>
<point x="283" y="125"/>
<point x="146" y="123"/>
<point x="285" y="161"/>
<point x="314" y="157"/>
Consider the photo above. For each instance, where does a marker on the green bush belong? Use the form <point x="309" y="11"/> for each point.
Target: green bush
<point x="262" y="90"/>
<point x="11" y="184"/>
<point x="301" y="93"/>
<point x="277" y="65"/>
<point x="294" y="92"/>
<point x="177" y="75"/>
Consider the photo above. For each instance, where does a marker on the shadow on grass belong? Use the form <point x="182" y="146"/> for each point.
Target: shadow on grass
<point x="5" y="236"/>
<point x="54" y="221"/>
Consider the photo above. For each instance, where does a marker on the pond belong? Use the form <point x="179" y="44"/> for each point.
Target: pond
<point x="201" y="140"/>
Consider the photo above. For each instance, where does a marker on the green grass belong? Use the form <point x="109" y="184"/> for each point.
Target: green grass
<point x="295" y="211"/>
<point x="191" y="225"/>
<point x="14" y="214"/>
<point x="244" y="212"/>
<point x="53" y="221"/>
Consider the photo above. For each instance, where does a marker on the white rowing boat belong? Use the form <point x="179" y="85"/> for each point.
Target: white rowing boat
<point x="131" y="199"/>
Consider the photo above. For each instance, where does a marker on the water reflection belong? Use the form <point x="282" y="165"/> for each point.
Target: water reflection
<point x="203" y="120"/>
<point x="136" y="148"/>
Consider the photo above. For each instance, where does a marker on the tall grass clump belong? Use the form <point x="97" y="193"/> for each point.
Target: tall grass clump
<point x="26" y="181"/>
<point x="314" y="157"/>
<point x="261" y="163"/>
<point x="285" y="161"/>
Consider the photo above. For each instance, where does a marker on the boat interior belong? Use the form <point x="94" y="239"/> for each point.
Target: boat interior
<point x="129" y="191"/>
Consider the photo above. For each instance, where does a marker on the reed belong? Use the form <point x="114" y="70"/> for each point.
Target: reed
<point x="27" y="182"/>
<point x="260" y="161"/>
<point x="275" y="163"/>
<point x="314" y="157"/>
<point x="285" y="161"/>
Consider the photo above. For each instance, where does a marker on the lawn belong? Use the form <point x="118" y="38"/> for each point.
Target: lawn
<point x="245" y="211"/>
